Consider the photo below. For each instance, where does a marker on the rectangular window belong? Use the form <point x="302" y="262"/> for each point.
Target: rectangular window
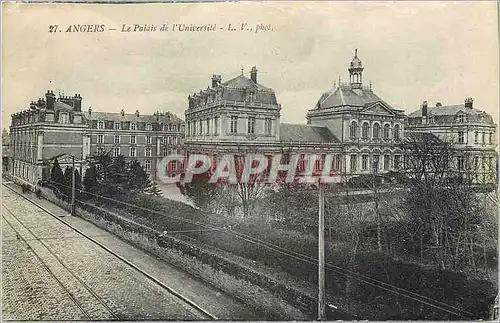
<point x="354" y="162"/>
<point x="234" y="124"/>
<point x="397" y="162"/>
<point x="460" y="162"/>
<point x="216" y="125"/>
<point x="116" y="151"/>
<point x="133" y="126"/>
<point x="174" y="128"/>
<point x="132" y="140"/>
<point x="117" y="139"/>
<point x="132" y="151"/>
<point x="148" y="152"/>
<point x="165" y="140"/>
<point x="476" y="137"/>
<point x="491" y="137"/>
<point x="173" y="165"/>
<point x="251" y="124"/>
<point x="201" y="127"/>
<point x="268" y="126"/>
<point x="148" y="165"/>
<point x="208" y="127"/>
<point x="387" y="162"/>
<point x="461" y="137"/>
<point x="148" y="127"/>
<point x="148" y="140"/>
<point x="100" y="125"/>
<point x="100" y="151"/>
<point x="375" y="162"/>
<point x="484" y="137"/>
<point x="165" y="152"/>
<point x="100" y="139"/>
<point x="364" y="162"/>
<point x="116" y="126"/>
<point x="338" y="162"/>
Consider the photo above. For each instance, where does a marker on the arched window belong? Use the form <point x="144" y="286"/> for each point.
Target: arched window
<point x="365" y="130"/>
<point x="387" y="131"/>
<point x="396" y="132"/>
<point x="353" y="131"/>
<point x="376" y="131"/>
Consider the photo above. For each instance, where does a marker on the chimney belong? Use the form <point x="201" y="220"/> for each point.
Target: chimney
<point x="438" y="104"/>
<point x="122" y="112"/>
<point x="51" y="99"/>
<point x="216" y="80"/>
<point x="33" y="105"/>
<point x="77" y="102"/>
<point x="137" y="113"/>
<point x="424" y="109"/>
<point x="90" y="110"/>
<point x="469" y="103"/>
<point x="253" y="74"/>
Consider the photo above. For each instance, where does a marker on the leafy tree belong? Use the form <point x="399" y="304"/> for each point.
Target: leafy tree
<point x="68" y="182"/>
<point x="90" y="179"/>
<point x="57" y="176"/>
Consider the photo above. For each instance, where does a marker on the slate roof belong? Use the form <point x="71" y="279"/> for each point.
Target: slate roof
<point x="243" y="82"/>
<point x="306" y="133"/>
<point x="346" y="95"/>
<point x="451" y="111"/>
<point x="116" y="116"/>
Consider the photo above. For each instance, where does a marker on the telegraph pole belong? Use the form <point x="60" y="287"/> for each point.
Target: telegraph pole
<point x="72" y="211"/>
<point x="321" y="254"/>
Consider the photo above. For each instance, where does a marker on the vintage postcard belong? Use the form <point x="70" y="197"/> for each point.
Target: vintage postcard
<point x="256" y="161"/>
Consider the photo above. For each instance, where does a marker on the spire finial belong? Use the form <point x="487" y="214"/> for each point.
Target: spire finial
<point x="241" y="69"/>
<point x="340" y="81"/>
<point x="355" y="52"/>
<point x="370" y="84"/>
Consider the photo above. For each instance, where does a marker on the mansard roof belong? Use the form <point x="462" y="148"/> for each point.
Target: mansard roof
<point x="449" y="113"/>
<point x="306" y="133"/>
<point x="243" y="82"/>
<point x="132" y="117"/>
<point x="346" y="95"/>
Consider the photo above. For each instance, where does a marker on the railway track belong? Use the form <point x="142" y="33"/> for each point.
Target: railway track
<point x="204" y="313"/>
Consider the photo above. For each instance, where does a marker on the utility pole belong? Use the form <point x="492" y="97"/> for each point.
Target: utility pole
<point x="72" y="211"/>
<point x="321" y="253"/>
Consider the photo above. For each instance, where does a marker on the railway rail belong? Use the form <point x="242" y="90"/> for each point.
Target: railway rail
<point x="204" y="313"/>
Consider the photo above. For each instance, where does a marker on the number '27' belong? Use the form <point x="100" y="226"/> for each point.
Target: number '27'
<point x="52" y="28"/>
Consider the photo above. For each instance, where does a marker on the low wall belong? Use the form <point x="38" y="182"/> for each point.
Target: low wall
<point x="276" y="301"/>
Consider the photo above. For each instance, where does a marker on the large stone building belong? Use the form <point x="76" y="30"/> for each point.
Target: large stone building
<point x="146" y="138"/>
<point x="368" y="128"/>
<point x="51" y="127"/>
<point x="242" y="116"/>
<point x="471" y="131"/>
<point x="56" y="128"/>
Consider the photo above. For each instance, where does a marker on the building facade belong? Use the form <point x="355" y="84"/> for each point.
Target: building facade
<point x="50" y="128"/>
<point x="472" y="133"/>
<point x="56" y="128"/>
<point x="368" y="128"/>
<point x="146" y="138"/>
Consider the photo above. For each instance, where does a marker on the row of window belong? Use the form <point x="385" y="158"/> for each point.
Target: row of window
<point x="133" y="140"/>
<point x="365" y="131"/>
<point x="375" y="162"/>
<point x="133" y="151"/>
<point x="133" y="126"/>
<point x="461" y="137"/>
<point x="486" y="162"/>
<point x="203" y="127"/>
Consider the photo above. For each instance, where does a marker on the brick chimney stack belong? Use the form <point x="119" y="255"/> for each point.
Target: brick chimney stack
<point x="51" y="99"/>
<point x="253" y="74"/>
<point x="216" y="80"/>
<point x="424" y="109"/>
<point x="469" y="103"/>
<point x="77" y="103"/>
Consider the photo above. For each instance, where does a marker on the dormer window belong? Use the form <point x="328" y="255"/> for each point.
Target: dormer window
<point x="250" y="96"/>
<point x="116" y="126"/>
<point x="461" y="118"/>
<point x="63" y="117"/>
<point x="174" y="128"/>
<point x="133" y="126"/>
<point x="148" y="126"/>
<point x="100" y="125"/>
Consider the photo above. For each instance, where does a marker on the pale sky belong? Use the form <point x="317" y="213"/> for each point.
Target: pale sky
<point x="412" y="51"/>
